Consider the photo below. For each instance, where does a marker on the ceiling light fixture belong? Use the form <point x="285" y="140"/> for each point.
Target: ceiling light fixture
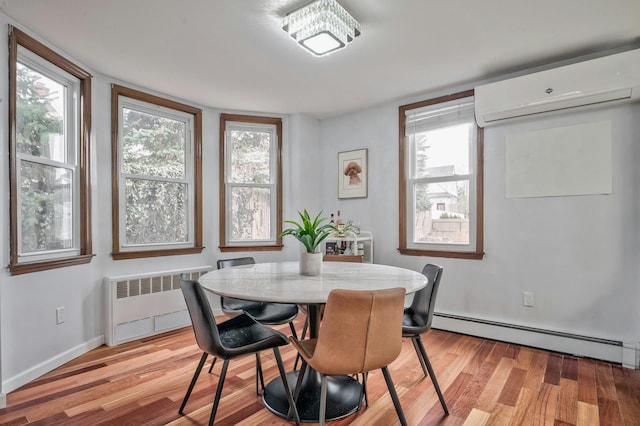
<point x="321" y="27"/>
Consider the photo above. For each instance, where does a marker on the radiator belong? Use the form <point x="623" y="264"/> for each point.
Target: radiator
<point x="146" y="304"/>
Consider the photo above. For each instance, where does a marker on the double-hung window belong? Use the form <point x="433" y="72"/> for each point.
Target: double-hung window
<point x="157" y="196"/>
<point x="251" y="183"/>
<point x="49" y="128"/>
<point x="441" y="178"/>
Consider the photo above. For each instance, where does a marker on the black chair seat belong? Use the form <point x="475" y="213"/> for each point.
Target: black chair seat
<point x="242" y="335"/>
<point x="412" y="323"/>
<point x="233" y="305"/>
<point x="272" y="313"/>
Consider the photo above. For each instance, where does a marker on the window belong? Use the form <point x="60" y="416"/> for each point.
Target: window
<point x="157" y="200"/>
<point x="441" y="178"/>
<point x="49" y="128"/>
<point x="250" y="183"/>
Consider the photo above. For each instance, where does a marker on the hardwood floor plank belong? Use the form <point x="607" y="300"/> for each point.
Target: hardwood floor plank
<point x="545" y="410"/>
<point x="587" y="391"/>
<point x="511" y="390"/>
<point x="609" y="412"/>
<point x="587" y="414"/>
<point x="554" y="368"/>
<point x="567" y="410"/>
<point x="628" y="390"/>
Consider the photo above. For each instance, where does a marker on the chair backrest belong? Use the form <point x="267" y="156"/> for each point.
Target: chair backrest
<point x="361" y="331"/>
<point x="202" y="319"/>
<point x="424" y="300"/>
<point x="227" y="263"/>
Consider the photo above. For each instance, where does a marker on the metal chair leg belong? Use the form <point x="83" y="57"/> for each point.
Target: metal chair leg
<point x="285" y="383"/>
<point x="415" y="340"/>
<point x="394" y="396"/>
<point x="193" y="381"/>
<point x="323" y="400"/>
<point x="433" y="376"/>
<point x="259" y="375"/>
<point x="216" y="399"/>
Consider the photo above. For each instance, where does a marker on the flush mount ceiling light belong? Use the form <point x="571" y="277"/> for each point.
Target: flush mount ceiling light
<point x="321" y="27"/>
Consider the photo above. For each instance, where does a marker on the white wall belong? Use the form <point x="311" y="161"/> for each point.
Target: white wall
<point x="579" y="255"/>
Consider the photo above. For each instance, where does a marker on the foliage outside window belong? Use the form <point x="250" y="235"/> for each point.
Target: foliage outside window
<point x="156" y="180"/>
<point x="49" y="128"/>
<point x="251" y="183"/>
<point x="441" y="178"/>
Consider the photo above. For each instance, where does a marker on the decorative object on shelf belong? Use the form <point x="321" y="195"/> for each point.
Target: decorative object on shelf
<point x="310" y="232"/>
<point x="352" y="174"/>
<point x="321" y="27"/>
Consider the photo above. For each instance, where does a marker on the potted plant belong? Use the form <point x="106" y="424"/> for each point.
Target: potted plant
<point x="310" y="232"/>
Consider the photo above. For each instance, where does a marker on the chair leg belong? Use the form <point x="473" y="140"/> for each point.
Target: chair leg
<point x="193" y="381"/>
<point x="293" y="330"/>
<point x="394" y="396"/>
<point x="212" y="364"/>
<point x="216" y="399"/>
<point x="415" y="340"/>
<point x="285" y="382"/>
<point x="323" y="400"/>
<point x="302" y="336"/>
<point x="423" y="352"/>
<point x="303" y="369"/>
<point x="364" y="388"/>
<point x="259" y="375"/>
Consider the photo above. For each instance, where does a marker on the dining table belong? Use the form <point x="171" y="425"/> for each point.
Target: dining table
<point x="281" y="282"/>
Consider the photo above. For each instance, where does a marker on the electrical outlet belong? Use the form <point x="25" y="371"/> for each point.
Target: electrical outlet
<point x="60" y="315"/>
<point x="528" y="299"/>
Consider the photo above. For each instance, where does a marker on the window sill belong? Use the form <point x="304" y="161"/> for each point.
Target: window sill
<point x="122" y="255"/>
<point x="441" y="253"/>
<point x="28" y="267"/>
<point x="228" y="249"/>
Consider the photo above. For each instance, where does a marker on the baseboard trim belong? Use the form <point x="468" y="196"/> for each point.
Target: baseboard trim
<point x="33" y="373"/>
<point x="574" y="344"/>
<point x="3" y="400"/>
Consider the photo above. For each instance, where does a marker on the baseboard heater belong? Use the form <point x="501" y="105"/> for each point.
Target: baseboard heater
<point x="145" y="304"/>
<point x="576" y="344"/>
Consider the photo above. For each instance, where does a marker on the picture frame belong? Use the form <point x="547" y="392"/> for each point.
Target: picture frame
<point x="352" y="174"/>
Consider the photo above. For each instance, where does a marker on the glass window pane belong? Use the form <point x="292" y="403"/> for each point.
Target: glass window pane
<point x="443" y="151"/>
<point x="250" y="157"/>
<point x="152" y="145"/>
<point x="442" y="212"/>
<point x="46" y="210"/>
<point x="40" y="115"/>
<point x="156" y="212"/>
<point x="251" y="213"/>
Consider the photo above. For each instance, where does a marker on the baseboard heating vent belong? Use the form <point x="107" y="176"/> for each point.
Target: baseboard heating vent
<point x="145" y="304"/>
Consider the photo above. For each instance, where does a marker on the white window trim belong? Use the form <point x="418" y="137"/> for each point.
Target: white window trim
<point x="272" y="185"/>
<point x="189" y="179"/>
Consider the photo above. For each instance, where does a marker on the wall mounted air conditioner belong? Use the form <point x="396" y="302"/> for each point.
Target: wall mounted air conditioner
<point x="613" y="78"/>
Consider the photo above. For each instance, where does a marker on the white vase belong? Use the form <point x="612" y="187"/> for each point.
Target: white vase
<point x="310" y="263"/>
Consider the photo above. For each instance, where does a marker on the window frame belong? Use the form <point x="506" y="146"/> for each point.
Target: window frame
<point x="139" y="98"/>
<point x="81" y="253"/>
<point x="405" y="222"/>
<point x="250" y="120"/>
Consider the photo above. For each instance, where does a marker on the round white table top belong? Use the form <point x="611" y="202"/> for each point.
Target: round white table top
<point x="281" y="281"/>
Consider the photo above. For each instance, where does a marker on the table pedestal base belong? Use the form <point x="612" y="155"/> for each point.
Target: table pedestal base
<point x="343" y="396"/>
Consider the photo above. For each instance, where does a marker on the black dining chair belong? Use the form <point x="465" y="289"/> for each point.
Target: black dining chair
<point x="417" y="320"/>
<point x="264" y="313"/>
<point x="238" y="336"/>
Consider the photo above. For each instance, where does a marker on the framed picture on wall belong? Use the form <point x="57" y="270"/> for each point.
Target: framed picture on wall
<point x="352" y="174"/>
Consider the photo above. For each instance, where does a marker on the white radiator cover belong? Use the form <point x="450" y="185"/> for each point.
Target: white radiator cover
<point x="145" y="304"/>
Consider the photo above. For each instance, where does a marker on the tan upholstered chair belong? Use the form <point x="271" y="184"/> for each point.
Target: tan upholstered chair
<point x="361" y="331"/>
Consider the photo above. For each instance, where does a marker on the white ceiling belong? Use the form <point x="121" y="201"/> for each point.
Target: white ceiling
<point x="233" y="54"/>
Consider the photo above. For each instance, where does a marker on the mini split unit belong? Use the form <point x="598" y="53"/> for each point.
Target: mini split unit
<point x="614" y="78"/>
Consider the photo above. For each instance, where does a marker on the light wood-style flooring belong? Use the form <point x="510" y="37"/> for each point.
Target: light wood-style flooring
<point x="484" y="382"/>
